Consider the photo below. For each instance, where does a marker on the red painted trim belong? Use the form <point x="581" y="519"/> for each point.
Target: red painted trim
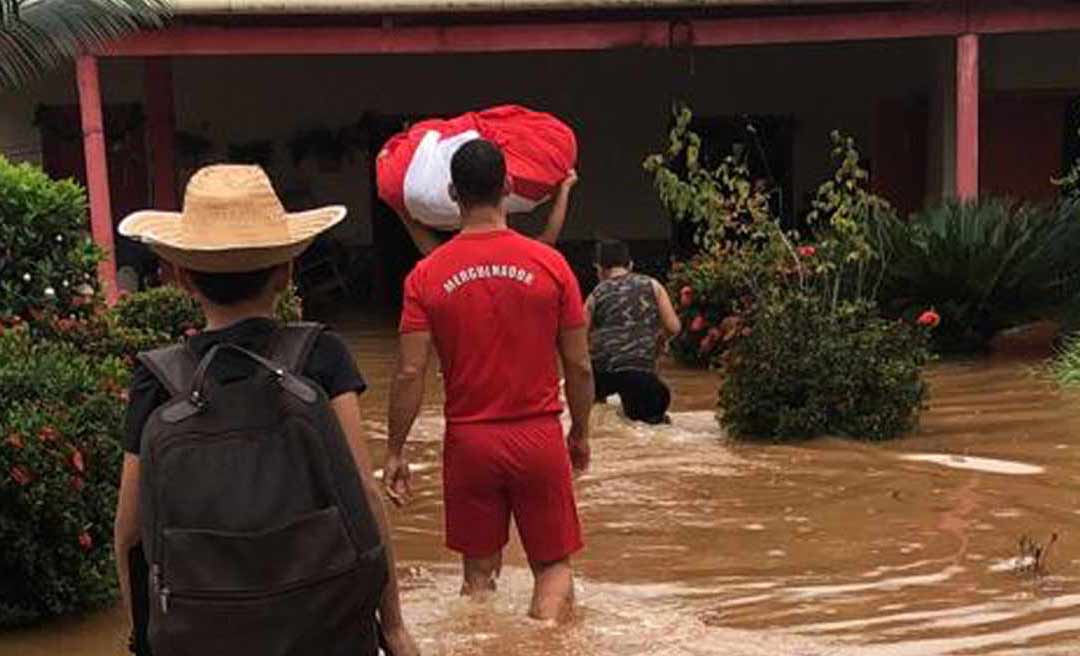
<point x="596" y="34"/>
<point x="192" y="41"/>
<point x="161" y="128"/>
<point x="97" y="170"/>
<point x="1006" y="20"/>
<point x="967" y="116"/>
<point x="822" y="29"/>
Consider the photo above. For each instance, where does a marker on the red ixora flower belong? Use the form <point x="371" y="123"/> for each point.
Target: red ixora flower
<point x="78" y="483"/>
<point x="48" y="434"/>
<point x="21" y="475"/>
<point x="85" y="541"/>
<point x="686" y="296"/>
<point x="806" y="251"/>
<point x="698" y="324"/>
<point x="15" y="441"/>
<point x="930" y="319"/>
<point x="77" y="461"/>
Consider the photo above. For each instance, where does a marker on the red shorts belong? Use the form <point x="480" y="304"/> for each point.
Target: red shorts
<point x="493" y="470"/>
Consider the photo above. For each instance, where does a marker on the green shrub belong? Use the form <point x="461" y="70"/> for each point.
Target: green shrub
<point x="789" y="318"/>
<point x="1064" y="367"/>
<point x="805" y="370"/>
<point x="47" y="259"/>
<point x="709" y="300"/>
<point x="985" y="266"/>
<point x="165" y="311"/>
<point x="61" y="413"/>
<point x="289" y="306"/>
<point x="743" y="249"/>
<point x="170" y="313"/>
<point x="100" y="335"/>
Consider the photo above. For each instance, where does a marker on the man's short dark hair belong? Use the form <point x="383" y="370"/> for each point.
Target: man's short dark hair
<point x="232" y="288"/>
<point x="612" y="253"/>
<point x="478" y="171"/>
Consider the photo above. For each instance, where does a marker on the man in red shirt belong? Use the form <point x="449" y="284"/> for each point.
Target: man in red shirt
<point x="501" y="310"/>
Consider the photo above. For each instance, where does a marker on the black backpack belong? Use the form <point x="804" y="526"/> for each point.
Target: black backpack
<point x="259" y="537"/>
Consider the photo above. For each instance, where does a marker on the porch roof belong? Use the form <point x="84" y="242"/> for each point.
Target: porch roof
<point x="268" y="7"/>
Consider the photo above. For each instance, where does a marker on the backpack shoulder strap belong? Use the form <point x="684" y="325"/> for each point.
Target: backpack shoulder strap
<point x="173" y="366"/>
<point x="293" y="342"/>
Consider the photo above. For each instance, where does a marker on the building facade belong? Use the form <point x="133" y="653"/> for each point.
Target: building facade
<point x="945" y="98"/>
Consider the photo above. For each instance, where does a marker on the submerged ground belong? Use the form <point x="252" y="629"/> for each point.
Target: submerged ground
<point x="697" y="545"/>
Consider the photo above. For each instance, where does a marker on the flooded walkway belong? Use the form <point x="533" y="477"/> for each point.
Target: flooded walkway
<point x="697" y="545"/>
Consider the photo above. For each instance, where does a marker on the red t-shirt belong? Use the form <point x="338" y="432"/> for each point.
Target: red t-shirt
<point x="495" y="303"/>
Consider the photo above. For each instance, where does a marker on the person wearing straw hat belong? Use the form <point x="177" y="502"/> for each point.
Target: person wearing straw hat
<point x="232" y="247"/>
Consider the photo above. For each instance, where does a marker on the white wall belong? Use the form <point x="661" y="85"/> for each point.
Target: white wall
<point x="19" y="139"/>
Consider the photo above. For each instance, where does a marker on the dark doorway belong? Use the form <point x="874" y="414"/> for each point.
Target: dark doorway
<point x="899" y="152"/>
<point x="765" y="144"/>
<point x="63" y="157"/>
<point x="1023" y="137"/>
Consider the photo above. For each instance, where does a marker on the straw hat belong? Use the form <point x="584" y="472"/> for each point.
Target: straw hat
<point x="233" y="221"/>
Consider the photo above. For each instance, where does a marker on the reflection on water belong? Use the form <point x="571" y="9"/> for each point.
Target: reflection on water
<point x="700" y="546"/>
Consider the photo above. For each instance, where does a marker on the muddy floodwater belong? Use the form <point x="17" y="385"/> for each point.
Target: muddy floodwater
<point x="697" y="545"/>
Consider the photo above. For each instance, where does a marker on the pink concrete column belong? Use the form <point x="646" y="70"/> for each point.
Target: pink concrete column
<point x="161" y="128"/>
<point x="967" y="116"/>
<point x="97" y="170"/>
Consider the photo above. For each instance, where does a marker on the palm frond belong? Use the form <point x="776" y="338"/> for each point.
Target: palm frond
<point x="39" y="35"/>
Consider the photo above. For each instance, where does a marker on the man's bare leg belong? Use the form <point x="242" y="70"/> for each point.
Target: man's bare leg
<point x="480" y="575"/>
<point x="553" y="591"/>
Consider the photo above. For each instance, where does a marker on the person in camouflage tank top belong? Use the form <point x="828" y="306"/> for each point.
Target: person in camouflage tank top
<point x="627" y="313"/>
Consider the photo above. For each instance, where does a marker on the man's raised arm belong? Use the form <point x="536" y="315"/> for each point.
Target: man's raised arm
<point x="557" y="216"/>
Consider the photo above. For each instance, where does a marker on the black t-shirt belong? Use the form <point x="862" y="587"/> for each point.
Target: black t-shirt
<point x="330" y="364"/>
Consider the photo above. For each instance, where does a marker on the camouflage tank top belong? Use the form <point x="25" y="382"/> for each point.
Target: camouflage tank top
<point x="625" y="324"/>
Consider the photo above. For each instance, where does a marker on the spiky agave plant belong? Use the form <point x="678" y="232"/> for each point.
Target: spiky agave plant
<point x="38" y="35"/>
<point x="985" y="266"/>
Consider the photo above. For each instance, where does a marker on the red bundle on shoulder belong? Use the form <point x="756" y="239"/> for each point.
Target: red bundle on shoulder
<point x="413" y="169"/>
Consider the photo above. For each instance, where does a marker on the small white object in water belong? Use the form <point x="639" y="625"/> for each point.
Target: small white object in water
<point x="754" y="527"/>
<point x="413" y="467"/>
<point x="1013" y="564"/>
<point x="989" y="465"/>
